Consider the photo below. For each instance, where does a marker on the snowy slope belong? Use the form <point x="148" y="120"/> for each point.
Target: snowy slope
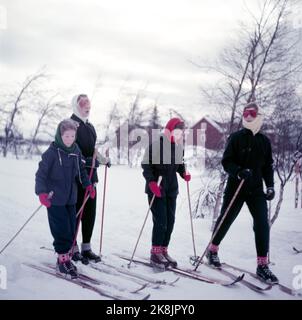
<point x="126" y="208"/>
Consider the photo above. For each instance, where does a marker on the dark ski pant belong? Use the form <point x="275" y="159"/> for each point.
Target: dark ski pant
<point x="62" y="223"/>
<point x="163" y="213"/>
<point x="88" y="217"/>
<point x="258" y="208"/>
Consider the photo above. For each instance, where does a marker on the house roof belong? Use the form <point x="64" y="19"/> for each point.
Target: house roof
<point x="211" y="122"/>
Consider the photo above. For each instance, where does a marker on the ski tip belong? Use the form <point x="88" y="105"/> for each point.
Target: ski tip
<point x="147" y="297"/>
<point x="297" y="250"/>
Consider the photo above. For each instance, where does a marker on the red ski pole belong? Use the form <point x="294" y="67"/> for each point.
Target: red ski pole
<point x="194" y="258"/>
<point x="81" y="211"/>
<point x="103" y="207"/>
<point x="151" y="203"/>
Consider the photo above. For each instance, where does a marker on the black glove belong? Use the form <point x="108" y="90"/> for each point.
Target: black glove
<point x="270" y="194"/>
<point x="244" y="174"/>
<point x="108" y="164"/>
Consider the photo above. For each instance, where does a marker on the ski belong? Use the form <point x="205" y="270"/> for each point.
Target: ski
<point x="132" y="275"/>
<point x="80" y="282"/>
<point x="119" y="271"/>
<point x="91" y="280"/>
<point x="187" y="273"/>
<point x="297" y="250"/>
<point x="282" y="287"/>
<point x="246" y="283"/>
<point x="81" y="276"/>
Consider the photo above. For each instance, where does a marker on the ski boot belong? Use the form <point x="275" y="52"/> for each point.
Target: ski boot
<point x="65" y="267"/>
<point x="78" y="257"/>
<point x="213" y="259"/>
<point x="266" y="275"/>
<point x="89" y="255"/>
<point x="172" y="262"/>
<point x="158" y="261"/>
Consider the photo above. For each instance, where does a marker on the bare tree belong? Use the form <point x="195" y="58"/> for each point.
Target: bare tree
<point x="288" y="141"/>
<point x="155" y="119"/>
<point x="49" y="112"/>
<point x="252" y="68"/>
<point x="15" y="107"/>
<point x="113" y="120"/>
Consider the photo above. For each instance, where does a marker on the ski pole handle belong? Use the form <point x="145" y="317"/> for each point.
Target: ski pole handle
<point x="160" y="178"/>
<point x="50" y="195"/>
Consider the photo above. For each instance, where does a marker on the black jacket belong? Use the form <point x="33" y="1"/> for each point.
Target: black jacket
<point x="57" y="172"/>
<point x="86" y="139"/>
<point x="246" y="151"/>
<point x="167" y="160"/>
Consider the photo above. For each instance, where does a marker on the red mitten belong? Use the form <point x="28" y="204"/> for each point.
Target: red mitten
<point x="187" y="176"/>
<point x="155" y="188"/>
<point x="91" y="190"/>
<point x="43" y="197"/>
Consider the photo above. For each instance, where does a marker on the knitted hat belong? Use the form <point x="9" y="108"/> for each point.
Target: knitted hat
<point x="174" y="123"/>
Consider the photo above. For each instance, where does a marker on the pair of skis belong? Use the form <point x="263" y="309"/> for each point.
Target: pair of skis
<point x="223" y="270"/>
<point x="282" y="287"/>
<point x="92" y="284"/>
<point x="188" y="273"/>
<point x="127" y="274"/>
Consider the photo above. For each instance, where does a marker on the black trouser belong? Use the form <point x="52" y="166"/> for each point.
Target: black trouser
<point x="258" y="209"/>
<point x="163" y="212"/>
<point x="62" y="223"/>
<point x="88" y="217"/>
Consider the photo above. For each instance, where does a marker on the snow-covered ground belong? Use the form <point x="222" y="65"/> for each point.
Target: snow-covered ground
<point x="126" y="207"/>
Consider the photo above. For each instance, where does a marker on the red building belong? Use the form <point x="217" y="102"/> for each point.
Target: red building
<point x="209" y="132"/>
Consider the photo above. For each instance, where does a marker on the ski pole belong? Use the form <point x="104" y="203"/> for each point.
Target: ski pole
<point x="269" y="223"/>
<point x="191" y="220"/>
<point x="80" y="212"/>
<point x="103" y="208"/>
<point x="83" y="205"/>
<point x="33" y="214"/>
<point x="150" y="205"/>
<point x="221" y="221"/>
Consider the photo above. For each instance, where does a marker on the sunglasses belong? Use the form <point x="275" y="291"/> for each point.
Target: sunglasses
<point x="250" y="112"/>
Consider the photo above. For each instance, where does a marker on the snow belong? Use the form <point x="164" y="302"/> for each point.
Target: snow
<point x="126" y="208"/>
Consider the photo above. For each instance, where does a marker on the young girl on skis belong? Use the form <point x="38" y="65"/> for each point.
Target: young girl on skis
<point x="60" y="168"/>
<point x="164" y="157"/>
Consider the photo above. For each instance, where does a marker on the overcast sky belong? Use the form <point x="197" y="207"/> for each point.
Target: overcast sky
<point x="99" y="46"/>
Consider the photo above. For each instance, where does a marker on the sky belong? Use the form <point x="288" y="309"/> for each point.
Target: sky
<point x="112" y="49"/>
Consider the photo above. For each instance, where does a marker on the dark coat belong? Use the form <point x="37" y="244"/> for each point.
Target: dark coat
<point x="58" y="172"/>
<point x="246" y="151"/>
<point x="165" y="164"/>
<point x="86" y="139"/>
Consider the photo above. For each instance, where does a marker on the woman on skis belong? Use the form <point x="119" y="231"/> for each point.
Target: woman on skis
<point x="86" y="140"/>
<point x="248" y="156"/>
<point x="60" y="168"/>
<point x="164" y="157"/>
